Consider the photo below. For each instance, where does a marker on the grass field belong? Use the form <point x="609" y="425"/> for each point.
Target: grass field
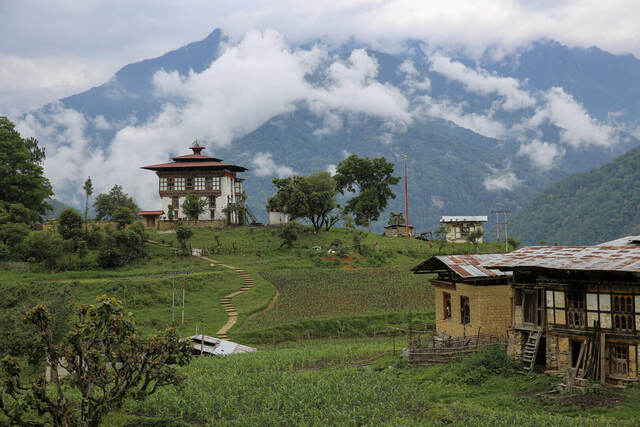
<point x="349" y="382"/>
<point x="325" y="293"/>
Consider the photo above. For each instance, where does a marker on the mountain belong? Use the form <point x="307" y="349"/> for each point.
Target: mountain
<point x="586" y="208"/>
<point x="480" y="133"/>
<point x="56" y="207"/>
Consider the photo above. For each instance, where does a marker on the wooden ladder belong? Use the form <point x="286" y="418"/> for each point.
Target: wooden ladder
<point x="531" y="349"/>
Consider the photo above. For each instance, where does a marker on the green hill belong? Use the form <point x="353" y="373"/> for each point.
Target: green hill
<point x="585" y="208"/>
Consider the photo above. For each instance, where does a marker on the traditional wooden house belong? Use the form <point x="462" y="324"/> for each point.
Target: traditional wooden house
<point x="577" y="307"/>
<point x="206" y="176"/>
<point x="459" y="227"/>
<point x="469" y="298"/>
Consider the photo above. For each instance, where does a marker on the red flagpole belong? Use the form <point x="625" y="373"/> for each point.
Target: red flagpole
<point x="406" y="199"/>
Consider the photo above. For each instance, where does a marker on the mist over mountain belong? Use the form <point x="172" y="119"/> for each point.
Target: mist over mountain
<point x="480" y="133"/>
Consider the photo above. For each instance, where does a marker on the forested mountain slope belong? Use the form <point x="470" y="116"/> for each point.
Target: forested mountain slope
<point x="585" y="208"/>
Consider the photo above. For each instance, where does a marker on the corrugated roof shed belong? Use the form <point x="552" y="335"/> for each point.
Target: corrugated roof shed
<point x="588" y="258"/>
<point x="216" y="346"/>
<point x="466" y="266"/>
<point x="464" y="218"/>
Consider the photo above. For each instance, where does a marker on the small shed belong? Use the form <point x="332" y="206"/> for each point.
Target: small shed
<point x="151" y="218"/>
<point x="459" y="227"/>
<point x="398" y="230"/>
<point x="216" y="347"/>
<point x="470" y="299"/>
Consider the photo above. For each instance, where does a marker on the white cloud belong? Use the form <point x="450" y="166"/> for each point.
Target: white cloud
<point x="482" y="124"/>
<point x="265" y="166"/>
<point x="577" y="127"/>
<point x="76" y="37"/>
<point x="543" y="155"/>
<point x="482" y="82"/>
<point x="412" y="79"/>
<point x="332" y="169"/>
<point x="500" y="180"/>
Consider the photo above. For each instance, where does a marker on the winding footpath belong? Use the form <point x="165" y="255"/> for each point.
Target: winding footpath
<point x="225" y="301"/>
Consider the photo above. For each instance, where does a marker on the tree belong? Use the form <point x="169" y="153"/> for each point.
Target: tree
<point x="312" y="197"/>
<point x="88" y="191"/>
<point x="183" y="234"/>
<point x="70" y="224"/>
<point x="194" y="205"/>
<point x="513" y="243"/>
<point x="441" y="236"/>
<point x="106" y="204"/>
<point x="108" y="362"/>
<point x="22" y="181"/>
<point x="474" y="237"/>
<point x="290" y="233"/>
<point x="123" y="216"/>
<point x="372" y="180"/>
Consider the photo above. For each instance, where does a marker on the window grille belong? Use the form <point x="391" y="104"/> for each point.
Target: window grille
<point x="238" y="187"/>
<point x="199" y="183"/>
<point x="179" y="184"/>
<point x="576" y="309"/>
<point x="170" y="183"/>
<point x="189" y="183"/>
<point x="619" y="360"/>
<point x="623" y="312"/>
<point x="213" y="183"/>
<point x="163" y="184"/>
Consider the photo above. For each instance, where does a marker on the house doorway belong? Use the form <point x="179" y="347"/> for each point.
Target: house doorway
<point x="576" y="346"/>
<point x="530" y="301"/>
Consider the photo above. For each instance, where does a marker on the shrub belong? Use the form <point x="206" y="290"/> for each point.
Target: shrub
<point x="289" y="233"/>
<point x="42" y="246"/>
<point x="183" y="234"/>
<point x="70" y="224"/>
<point x="123" y="216"/>
<point x="119" y="248"/>
<point x="12" y="234"/>
<point x="478" y="367"/>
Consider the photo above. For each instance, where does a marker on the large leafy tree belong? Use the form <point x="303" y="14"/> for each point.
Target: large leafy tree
<point x="107" y="360"/>
<point x="23" y="185"/>
<point x="107" y="204"/>
<point x="88" y="191"/>
<point x="372" y="180"/>
<point x="312" y="198"/>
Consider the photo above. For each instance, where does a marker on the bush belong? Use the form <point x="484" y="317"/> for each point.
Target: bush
<point x="289" y="233"/>
<point x="183" y="234"/>
<point x="42" y="246"/>
<point x="123" y="216"/>
<point x="119" y="248"/>
<point x="478" y="367"/>
<point x="12" y="234"/>
<point x="70" y="224"/>
<point x="94" y="237"/>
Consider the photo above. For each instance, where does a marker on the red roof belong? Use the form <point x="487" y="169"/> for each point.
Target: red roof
<point x="150" y="213"/>
<point x="196" y="165"/>
<point x="195" y="161"/>
<point x="196" y="157"/>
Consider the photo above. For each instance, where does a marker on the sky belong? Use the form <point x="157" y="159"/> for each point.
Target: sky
<point x="53" y="49"/>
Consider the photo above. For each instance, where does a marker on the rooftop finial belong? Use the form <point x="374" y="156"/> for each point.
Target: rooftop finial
<point x="197" y="148"/>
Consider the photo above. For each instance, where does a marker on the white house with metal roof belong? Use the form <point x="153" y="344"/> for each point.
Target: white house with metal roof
<point x="459" y="227"/>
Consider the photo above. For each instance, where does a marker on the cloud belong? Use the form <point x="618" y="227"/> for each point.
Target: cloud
<point x="480" y="123"/>
<point x="412" y="80"/>
<point x="482" y="82"/>
<point x="500" y="180"/>
<point x="577" y="127"/>
<point x="332" y="169"/>
<point x="265" y="166"/>
<point x="79" y="46"/>
<point x="252" y="82"/>
<point x="543" y="155"/>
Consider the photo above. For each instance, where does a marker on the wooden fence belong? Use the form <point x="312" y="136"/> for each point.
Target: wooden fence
<point x="428" y="350"/>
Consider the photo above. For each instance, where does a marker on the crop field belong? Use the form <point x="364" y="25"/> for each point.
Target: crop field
<point x="331" y="293"/>
<point x="359" y="382"/>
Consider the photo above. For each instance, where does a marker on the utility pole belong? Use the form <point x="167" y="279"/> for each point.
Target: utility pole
<point x="184" y="278"/>
<point x="406" y="200"/>
<point x="502" y="225"/>
<point x="173" y="300"/>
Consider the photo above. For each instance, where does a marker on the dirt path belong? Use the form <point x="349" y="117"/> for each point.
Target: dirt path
<point x="269" y="306"/>
<point x="226" y="300"/>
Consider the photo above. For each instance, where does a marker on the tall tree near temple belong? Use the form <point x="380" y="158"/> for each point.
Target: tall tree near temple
<point x="88" y="191"/>
<point x="372" y="180"/>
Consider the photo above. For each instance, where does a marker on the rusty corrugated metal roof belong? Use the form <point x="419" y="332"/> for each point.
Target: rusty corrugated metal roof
<point x="593" y="258"/>
<point x="623" y="241"/>
<point x="466" y="266"/>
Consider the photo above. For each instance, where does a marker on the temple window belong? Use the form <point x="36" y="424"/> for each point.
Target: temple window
<point x="189" y="183"/>
<point x="178" y="183"/>
<point x="623" y="312"/>
<point x="199" y="183"/>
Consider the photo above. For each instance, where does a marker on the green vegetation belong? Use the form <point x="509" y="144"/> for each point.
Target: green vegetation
<point x="107" y="204"/>
<point x="372" y="180"/>
<point x="323" y="293"/>
<point x="585" y="208"/>
<point x="349" y="382"/>
<point x="102" y="335"/>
